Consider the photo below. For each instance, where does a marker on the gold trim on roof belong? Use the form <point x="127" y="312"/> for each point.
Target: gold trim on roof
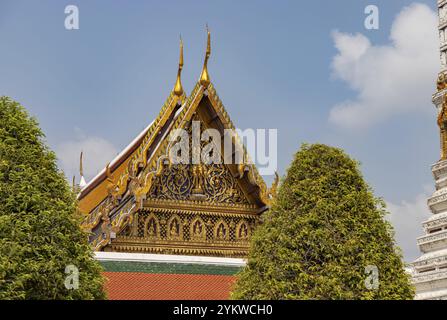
<point x="253" y="172"/>
<point x="139" y="157"/>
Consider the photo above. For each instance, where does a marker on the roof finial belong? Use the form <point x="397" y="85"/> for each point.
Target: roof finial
<point x="82" y="182"/>
<point x="204" y="77"/>
<point x="108" y="172"/>
<point x="178" y="89"/>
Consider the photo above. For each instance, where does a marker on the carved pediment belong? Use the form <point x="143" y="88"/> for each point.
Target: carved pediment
<point x="212" y="183"/>
<point x="157" y="205"/>
<point x="215" y="184"/>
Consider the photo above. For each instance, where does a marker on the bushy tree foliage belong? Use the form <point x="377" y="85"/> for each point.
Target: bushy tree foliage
<point x="40" y="234"/>
<point x="322" y="235"/>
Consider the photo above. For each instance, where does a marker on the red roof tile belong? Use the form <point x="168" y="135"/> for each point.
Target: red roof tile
<point x="148" y="286"/>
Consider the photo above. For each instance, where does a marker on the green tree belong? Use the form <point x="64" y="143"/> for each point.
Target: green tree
<point x="40" y="233"/>
<point x="322" y="235"/>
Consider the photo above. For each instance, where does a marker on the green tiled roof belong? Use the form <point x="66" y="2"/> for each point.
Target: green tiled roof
<point x="168" y="268"/>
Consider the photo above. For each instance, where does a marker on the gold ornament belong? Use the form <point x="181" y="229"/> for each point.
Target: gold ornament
<point x="178" y="89"/>
<point x="204" y="77"/>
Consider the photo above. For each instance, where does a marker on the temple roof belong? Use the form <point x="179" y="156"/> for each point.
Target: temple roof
<point x="147" y="148"/>
<point x="164" y="277"/>
<point x="125" y="187"/>
<point x="116" y="162"/>
<point x="143" y="149"/>
<point x="95" y="190"/>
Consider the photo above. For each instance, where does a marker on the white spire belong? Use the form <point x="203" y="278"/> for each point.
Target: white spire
<point x="442" y="8"/>
<point x="429" y="271"/>
<point x="82" y="182"/>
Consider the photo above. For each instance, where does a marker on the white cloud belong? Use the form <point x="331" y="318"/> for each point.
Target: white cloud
<point x="392" y="79"/>
<point x="406" y="219"/>
<point x="97" y="153"/>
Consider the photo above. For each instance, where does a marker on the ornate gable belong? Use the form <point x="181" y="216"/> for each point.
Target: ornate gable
<point x="181" y="182"/>
<point x="210" y="183"/>
<point x="160" y="207"/>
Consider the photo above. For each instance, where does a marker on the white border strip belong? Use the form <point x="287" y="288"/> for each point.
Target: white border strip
<point x="165" y="258"/>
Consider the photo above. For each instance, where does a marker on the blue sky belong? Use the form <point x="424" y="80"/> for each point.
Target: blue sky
<point x="272" y="64"/>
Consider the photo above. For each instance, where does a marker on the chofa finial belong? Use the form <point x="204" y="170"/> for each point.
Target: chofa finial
<point x="82" y="182"/>
<point x="178" y="89"/>
<point x="204" y="77"/>
<point x="81" y="169"/>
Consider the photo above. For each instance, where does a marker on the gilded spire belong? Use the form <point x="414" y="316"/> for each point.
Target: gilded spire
<point x="178" y="89"/>
<point x="204" y="77"/>
<point x="82" y="182"/>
